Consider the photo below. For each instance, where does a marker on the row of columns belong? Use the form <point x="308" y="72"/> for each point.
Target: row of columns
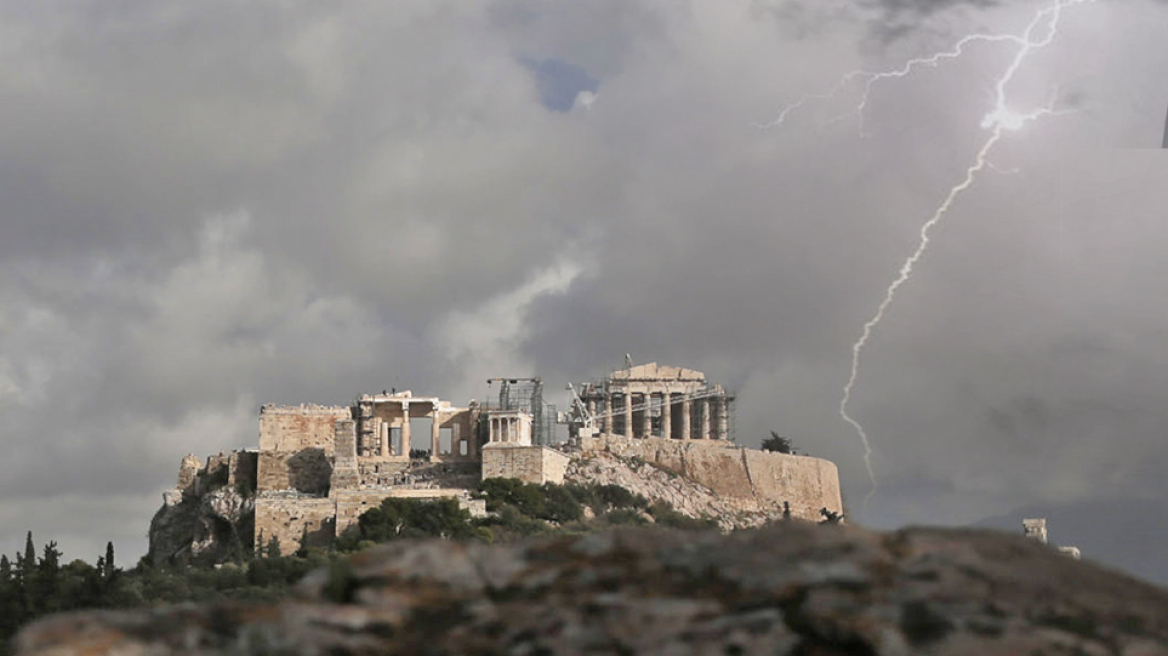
<point x="506" y="428"/>
<point x="382" y="432"/>
<point x="664" y="402"/>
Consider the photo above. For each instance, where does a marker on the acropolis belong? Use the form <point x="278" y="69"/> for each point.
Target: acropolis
<point x="317" y="468"/>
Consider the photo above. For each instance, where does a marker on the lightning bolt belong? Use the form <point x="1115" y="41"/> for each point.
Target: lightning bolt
<point x="870" y="78"/>
<point x="998" y="121"/>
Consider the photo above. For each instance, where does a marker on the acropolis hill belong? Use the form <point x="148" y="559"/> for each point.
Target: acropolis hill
<point x="317" y="468"/>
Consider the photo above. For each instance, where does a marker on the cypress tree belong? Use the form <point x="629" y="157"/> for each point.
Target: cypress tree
<point x="5" y="569"/>
<point x="29" y="553"/>
<point x="108" y="570"/>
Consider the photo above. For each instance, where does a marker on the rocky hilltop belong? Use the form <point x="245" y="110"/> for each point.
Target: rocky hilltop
<point x="215" y="510"/>
<point x="793" y="589"/>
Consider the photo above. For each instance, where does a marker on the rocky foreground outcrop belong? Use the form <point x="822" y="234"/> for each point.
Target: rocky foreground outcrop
<point x="791" y="589"/>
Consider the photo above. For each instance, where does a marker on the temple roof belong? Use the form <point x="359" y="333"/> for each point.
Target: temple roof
<point x="653" y="371"/>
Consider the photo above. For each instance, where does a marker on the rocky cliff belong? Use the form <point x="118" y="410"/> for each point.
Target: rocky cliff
<point x="793" y="589"/>
<point x="657" y="483"/>
<point x="751" y="481"/>
<point x="209" y="514"/>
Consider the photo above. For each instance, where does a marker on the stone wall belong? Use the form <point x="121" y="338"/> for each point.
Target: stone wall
<point x="308" y="471"/>
<point x="345" y="474"/>
<point x="808" y="484"/>
<point x="296" y="447"/>
<point x="286" y="518"/>
<point x="242" y="468"/>
<point x="292" y="428"/>
<point x="530" y="464"/>
<point x="764" y="478"/>
<point x="188" y="472"/>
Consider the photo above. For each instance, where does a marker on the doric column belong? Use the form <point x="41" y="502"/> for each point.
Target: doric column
<point x="435" y="434"/>
<point x="405" y="429"/>
<point x="685" y="416"/>
<point x="383" y="430"/>
<point x="365" y="428"/>
<point x="472" y="437"/>
<point x="628" y="415"/>
<point x="647" y="416"/>
<point x="723" y="418"/>
<point x="666" y="415"/>
<point x="606" y="422"/>
<point x="704" y="408"/>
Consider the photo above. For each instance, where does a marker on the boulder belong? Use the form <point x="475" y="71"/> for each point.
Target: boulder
<point x="794" y="588"/>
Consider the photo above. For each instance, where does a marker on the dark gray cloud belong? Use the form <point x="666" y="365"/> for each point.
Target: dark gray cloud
<point x="211" y="206"/>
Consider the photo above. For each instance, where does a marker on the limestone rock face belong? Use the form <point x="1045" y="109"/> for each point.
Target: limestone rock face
<point x="204" y="523"/>
<point x="792" y="589"/>
<point x="688" y="497"/>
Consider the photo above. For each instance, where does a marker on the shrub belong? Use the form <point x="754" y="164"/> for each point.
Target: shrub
<point x="410" y="518"/>
<point x="664" y="515"/>
<point x="625" y="517"/>
<point x="560" y="505"/>
<point x="615" y="496"/>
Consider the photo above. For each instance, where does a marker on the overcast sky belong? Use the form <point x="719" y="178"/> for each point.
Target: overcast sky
<point x="212" y="205"/>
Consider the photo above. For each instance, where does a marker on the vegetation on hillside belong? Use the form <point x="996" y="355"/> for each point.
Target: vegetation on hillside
<point x="32" y="586"/>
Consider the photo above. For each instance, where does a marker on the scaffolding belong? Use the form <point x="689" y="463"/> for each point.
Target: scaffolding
<point x="525" y="395"/>
<point x="658" y="391"/>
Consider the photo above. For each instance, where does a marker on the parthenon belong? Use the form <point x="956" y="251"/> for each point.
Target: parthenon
<point x="651" y="400"/>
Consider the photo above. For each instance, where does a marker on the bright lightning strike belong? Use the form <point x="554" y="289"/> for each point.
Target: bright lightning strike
<point x="871" y="78"/>
<point x="998" y="121"/>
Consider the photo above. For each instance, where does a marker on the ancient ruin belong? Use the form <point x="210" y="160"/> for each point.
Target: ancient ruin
<point x="650" y="400"/>
<point x="318" y="468"/>
<point x="1035" y="529"/>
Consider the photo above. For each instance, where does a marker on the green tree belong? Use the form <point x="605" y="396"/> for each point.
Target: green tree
<point x="778" y="444"/>
<point x="107" y="571"/>
<point x="273" y="548"/>
<point x="46" y="591"/>
<point x="399" y="518"/>
<point x="29" y="553"/>
<point x="560" y="505"/>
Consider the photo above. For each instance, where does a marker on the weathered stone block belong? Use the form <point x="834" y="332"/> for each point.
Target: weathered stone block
<point x="530" y="464"/>
<point x="287" y="520"/>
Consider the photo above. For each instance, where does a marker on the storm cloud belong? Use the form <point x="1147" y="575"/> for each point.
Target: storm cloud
<point x="209" y="206"/>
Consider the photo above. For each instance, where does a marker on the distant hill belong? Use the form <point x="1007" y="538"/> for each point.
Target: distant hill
<point x="1127" y="534"/>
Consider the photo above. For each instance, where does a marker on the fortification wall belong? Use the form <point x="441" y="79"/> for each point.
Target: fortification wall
<point x="308" y="471"/>
<point x="807" y="483"/>
<point x="292" y="428"/>
<point x="296" y="447"/>
<point x="188" y="473"/>
<point x="286" y="519"/>
<point x="530" y="464"/>
<point x="764" y="478"/>
<point x="242" y="468"/>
